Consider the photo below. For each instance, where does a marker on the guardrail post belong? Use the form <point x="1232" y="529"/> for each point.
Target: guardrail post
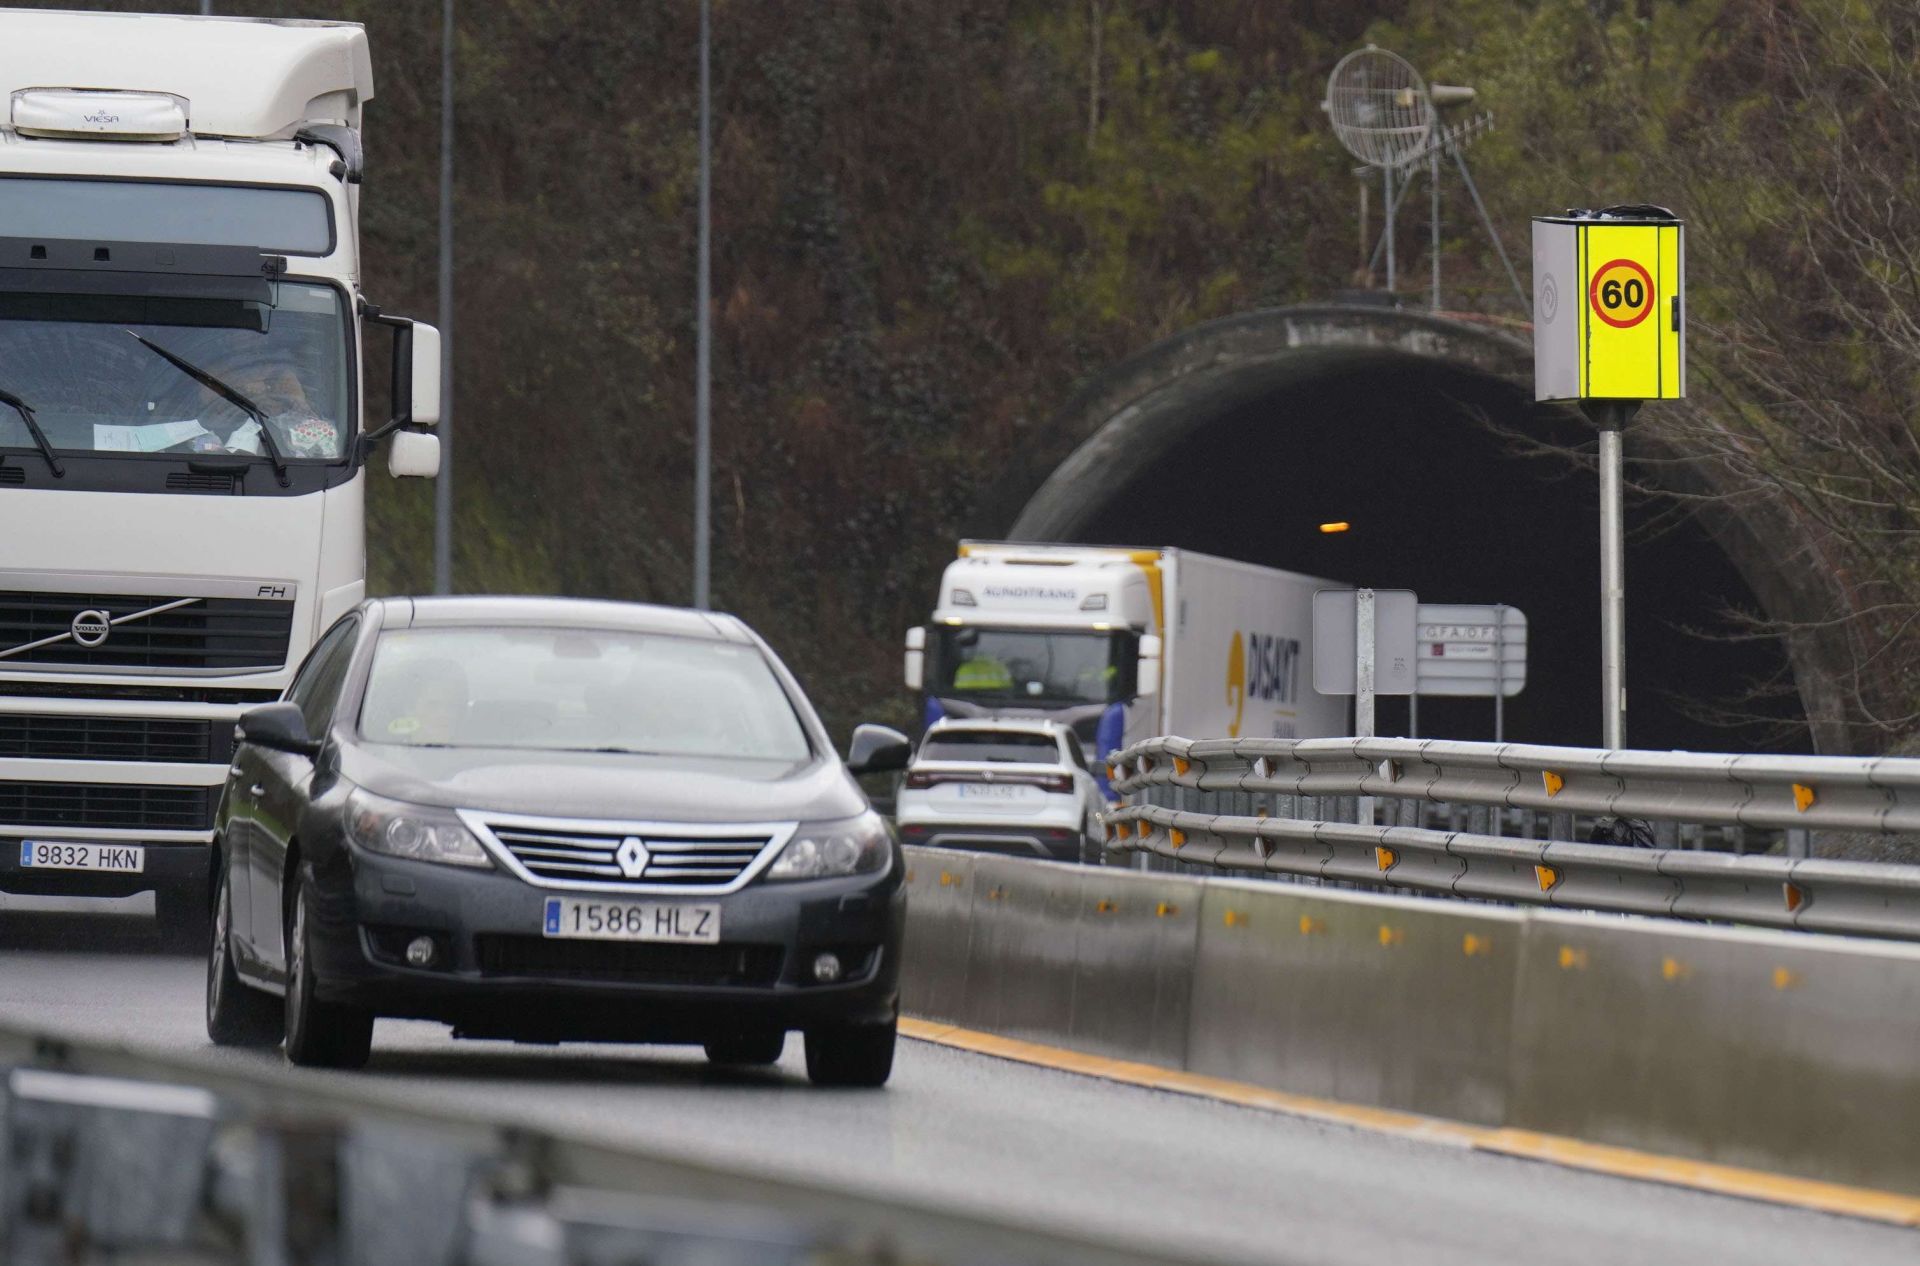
<point x="1799" y="843"/>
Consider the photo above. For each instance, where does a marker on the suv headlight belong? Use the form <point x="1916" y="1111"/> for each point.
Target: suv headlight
<point x="821" y="850"/>
<point x="412" y="831"/>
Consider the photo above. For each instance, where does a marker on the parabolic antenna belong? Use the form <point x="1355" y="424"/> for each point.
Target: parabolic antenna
<point x="1380" y="107"/>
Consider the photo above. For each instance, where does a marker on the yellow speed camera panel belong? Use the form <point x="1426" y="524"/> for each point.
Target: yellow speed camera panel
<point x="1608" y="308"/>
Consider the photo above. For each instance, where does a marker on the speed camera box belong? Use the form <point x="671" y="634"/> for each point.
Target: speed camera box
<point x="1608" y="306"/>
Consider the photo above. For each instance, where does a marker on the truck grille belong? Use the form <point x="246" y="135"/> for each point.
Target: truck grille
<point x="220" y="634"/>
<point x="629" y="963"/>
<point x="673" y="859"/>
<point x="107" y="806"/>
<point x="51" y="737"/>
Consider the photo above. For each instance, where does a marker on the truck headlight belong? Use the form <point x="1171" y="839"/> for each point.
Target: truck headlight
<point x="412" y="831"/>
<point x="821" y="850"/>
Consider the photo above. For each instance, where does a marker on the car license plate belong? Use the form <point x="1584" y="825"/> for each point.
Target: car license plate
<point x="129" y="859"/>
<point x="578" y="919"/>
<point x="994" y="791"/>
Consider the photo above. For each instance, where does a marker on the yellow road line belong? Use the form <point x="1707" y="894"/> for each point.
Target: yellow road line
<point x="1622" y="1162"/>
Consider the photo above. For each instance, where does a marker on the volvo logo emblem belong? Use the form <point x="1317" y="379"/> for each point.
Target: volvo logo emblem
<point x="632" y="856"/>
<point x="90" y="628"/>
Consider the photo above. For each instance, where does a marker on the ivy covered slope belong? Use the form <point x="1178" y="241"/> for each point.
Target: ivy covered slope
<point x="934" y="217"/>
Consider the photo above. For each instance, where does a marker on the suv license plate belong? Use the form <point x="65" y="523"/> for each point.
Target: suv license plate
<point x="129" y="859"/>
<point x="996" y="791"/>
<point x="575" y="919"/>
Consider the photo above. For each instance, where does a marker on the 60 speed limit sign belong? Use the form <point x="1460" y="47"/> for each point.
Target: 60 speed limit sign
<point x="1626" y="341"/>
<point x="1621" y="293"/>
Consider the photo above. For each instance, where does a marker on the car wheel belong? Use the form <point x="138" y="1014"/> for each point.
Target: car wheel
<point x="851" y="1054"/>
<point x="237" y="1015"/>
<point x="319" y="1034"/>
<point x="748" y="1050"/>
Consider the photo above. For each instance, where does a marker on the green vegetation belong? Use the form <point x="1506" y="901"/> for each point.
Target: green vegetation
<point x="935" y="217"/>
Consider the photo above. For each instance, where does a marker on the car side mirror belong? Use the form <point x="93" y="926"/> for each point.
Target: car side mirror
<point x="413" y="453"/>
<point x="878" y="749"/>
<point x="280" y="727"/>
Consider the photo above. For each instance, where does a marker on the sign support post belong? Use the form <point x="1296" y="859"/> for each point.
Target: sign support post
<point x="1611" y="417"/>
<point x="1363" y="681"/>
<point x="1608" y="333"/>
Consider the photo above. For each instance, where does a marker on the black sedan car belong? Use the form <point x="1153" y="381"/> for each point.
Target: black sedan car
<point x="552" y="820"/>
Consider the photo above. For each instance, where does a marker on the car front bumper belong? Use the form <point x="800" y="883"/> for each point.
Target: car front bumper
<point x="496" y="975"/>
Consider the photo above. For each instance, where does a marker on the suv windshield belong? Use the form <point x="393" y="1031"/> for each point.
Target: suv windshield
<point x="578" y="690"/>
<point x="1032" y="665"/>
<point x="97" y="390"/>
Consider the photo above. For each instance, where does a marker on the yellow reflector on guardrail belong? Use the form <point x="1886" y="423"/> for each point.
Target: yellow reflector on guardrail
<point x="1547" y="876"/>
<point x="1553" y="781"/>
<point x="1385" y="857"/>
<point x="1803" y="797"/>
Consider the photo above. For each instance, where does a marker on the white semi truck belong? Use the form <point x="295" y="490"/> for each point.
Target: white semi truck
<point x="1123" y="644"/>
<point x="183" y="438"/>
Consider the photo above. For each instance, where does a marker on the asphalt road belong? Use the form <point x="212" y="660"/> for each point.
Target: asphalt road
<point x="1152" y="1170"/>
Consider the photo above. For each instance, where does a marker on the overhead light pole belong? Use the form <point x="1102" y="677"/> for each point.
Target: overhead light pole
<point x="443" y="487"/>
<point x="703" y="342"/>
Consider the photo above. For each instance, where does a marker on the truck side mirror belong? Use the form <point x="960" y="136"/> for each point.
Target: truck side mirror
<point x="1149" y="679"/>
<point x="916" y="657"/>
<point x="416" y="372"/>
<point x="413" y="453"/>
<point x="424" y="370"/>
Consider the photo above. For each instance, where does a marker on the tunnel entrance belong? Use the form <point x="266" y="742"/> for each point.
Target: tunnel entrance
<point x="1251" y="454"/>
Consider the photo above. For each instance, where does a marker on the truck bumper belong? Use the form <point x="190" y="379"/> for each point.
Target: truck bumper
<point x="176" y="874"/>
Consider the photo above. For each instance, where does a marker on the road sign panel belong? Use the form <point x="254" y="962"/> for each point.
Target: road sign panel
<point x="1468" y="650"/>
<point x="1608" y="307"/>
<point x="1394" y="618"/>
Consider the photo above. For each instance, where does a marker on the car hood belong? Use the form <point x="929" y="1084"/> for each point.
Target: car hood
<point x="606" y="785"/>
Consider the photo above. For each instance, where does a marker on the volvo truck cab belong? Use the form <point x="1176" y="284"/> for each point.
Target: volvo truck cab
<point x="184" y="437"/>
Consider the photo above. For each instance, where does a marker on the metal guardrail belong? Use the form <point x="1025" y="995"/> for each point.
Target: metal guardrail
<point x="112" y="1154"/>
<point x="1878" y="796"/>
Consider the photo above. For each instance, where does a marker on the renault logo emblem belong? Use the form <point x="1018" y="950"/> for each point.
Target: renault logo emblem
<point x="632" y="856"/>
<point x="90" y="628"/>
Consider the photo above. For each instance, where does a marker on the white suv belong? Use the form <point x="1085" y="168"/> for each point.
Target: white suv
<point x="1004" y="786"/>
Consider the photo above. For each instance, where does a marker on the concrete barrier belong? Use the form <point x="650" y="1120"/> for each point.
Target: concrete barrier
<point x="1782" y="1051"/>
<point x="1762" y="1049"/>
<point x="1389" y="1001"/>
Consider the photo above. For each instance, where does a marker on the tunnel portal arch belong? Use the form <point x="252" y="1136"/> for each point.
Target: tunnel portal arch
<point x="1239" y="436"/>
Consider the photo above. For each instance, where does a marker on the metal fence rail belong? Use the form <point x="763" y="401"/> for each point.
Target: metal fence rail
<point x="1878" y="796"/>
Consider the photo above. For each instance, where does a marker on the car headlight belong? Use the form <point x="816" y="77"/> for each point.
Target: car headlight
<point x="850" y="846"/>
<point x="412" y="831"/>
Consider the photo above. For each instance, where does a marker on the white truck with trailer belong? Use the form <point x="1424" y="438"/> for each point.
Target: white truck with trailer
<point x="183" y="439"/>
<point x="1123" y="644"/>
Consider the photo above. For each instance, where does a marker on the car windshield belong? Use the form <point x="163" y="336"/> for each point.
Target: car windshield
<point x="552" y="689"/>
<point x="1031" y="665"/>
<point x="98" y="390"/>
<point x="991" y="746"/>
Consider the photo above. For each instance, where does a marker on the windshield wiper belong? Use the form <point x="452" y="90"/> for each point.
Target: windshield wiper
<point x="229" y="394"/>
<point x="25" y="411"/>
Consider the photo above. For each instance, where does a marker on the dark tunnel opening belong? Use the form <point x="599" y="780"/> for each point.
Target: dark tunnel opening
<point x="1407" y="450"/>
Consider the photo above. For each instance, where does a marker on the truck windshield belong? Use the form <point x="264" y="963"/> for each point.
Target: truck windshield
<point x="98" y="391"/>
<point x="1033" y="666"/>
